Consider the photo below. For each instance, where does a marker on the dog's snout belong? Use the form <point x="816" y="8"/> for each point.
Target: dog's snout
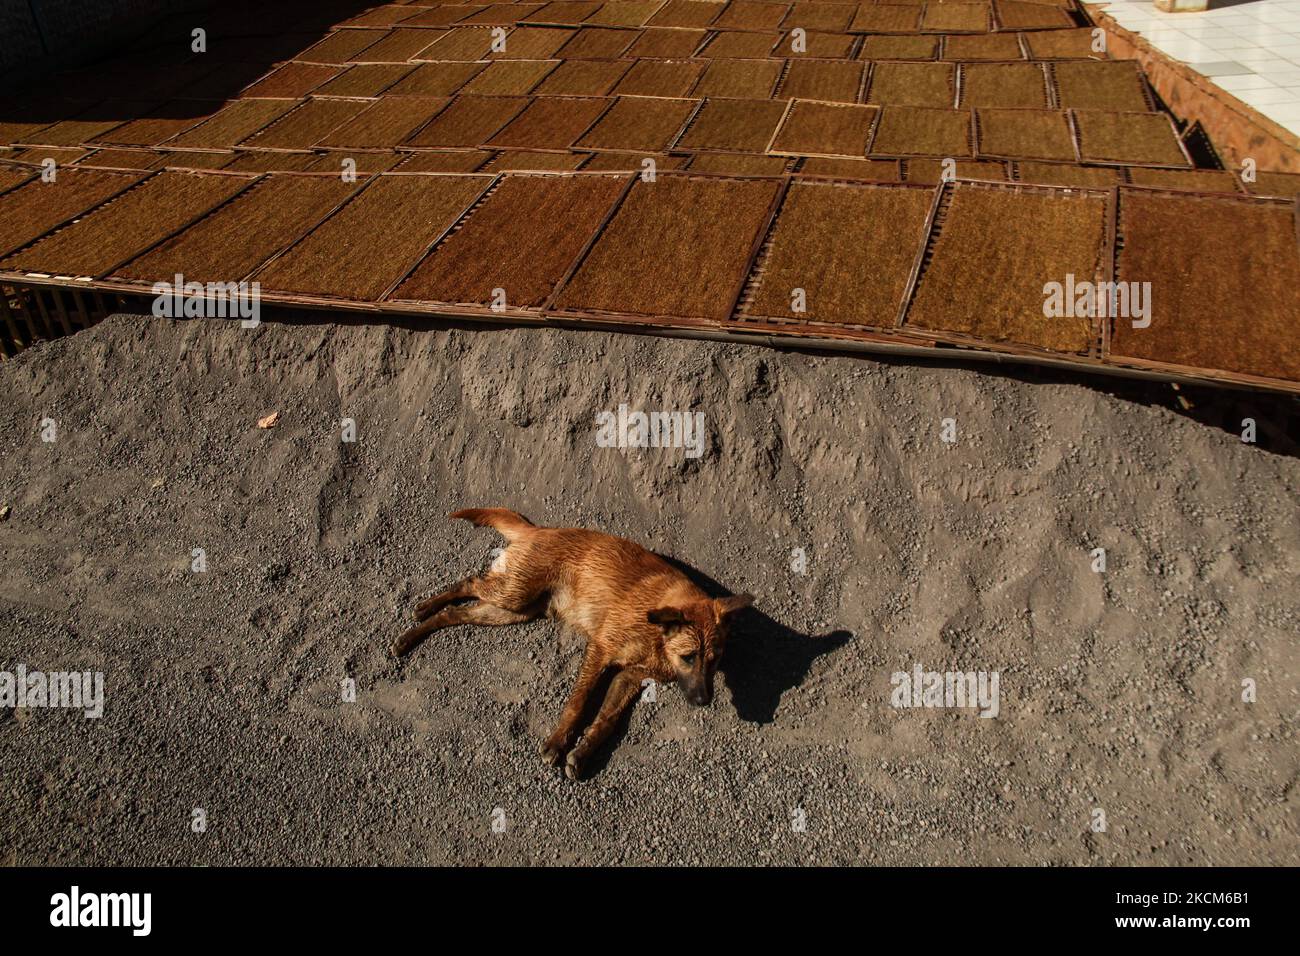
<point x="700" y="697"/>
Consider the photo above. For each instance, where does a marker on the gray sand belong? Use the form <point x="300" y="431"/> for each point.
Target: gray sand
<point x="1120" y="692"/>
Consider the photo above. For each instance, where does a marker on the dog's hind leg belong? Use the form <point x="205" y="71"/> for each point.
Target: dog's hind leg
<point x="623" y="689"/>
<point x="497" y="586"/>
<point x="461" y="589"/>
<point x="484" y="614"/>
<point x="415" y="635"/>
<point x="478" y="612"/>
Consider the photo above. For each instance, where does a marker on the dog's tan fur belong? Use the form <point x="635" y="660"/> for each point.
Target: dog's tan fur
<point x="642" y="617"/>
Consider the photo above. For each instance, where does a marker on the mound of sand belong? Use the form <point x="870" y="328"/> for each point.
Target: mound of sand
<point x="1120" y="692"/>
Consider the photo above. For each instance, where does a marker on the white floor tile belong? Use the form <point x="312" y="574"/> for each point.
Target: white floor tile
<point x="1262" y="99"/>
<point x="1221" y="68"/>
<point x="1251" y="82"/>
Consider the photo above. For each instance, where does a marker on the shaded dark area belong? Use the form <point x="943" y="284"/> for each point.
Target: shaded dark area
<point x="41" y="33"/>
<point x="150" y="70"/>
<point x="1201" y="148"/>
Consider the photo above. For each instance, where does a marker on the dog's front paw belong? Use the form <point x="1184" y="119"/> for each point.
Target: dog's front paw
<point x="574" y="765"/>
<point x="551" y="754"/>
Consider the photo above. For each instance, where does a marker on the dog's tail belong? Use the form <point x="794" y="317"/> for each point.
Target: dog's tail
<point x="509" y="523"/>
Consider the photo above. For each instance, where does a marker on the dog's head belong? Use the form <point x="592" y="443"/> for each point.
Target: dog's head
<point x="695" y="636"/>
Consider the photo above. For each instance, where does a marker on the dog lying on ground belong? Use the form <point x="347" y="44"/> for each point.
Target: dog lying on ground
<point x="642" y="617"/>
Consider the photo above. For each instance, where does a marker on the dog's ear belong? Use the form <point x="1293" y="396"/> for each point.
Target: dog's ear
<point x="723" y="607"/>
<point x="666" y="616"/>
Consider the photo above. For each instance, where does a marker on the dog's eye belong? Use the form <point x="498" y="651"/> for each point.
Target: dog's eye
<point x="688" y="660"/>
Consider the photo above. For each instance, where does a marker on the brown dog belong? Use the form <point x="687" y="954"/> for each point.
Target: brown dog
<point x="641" y="616"/>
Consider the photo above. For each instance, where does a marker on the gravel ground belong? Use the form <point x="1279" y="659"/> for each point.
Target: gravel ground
<point x="1120" y="692"/>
